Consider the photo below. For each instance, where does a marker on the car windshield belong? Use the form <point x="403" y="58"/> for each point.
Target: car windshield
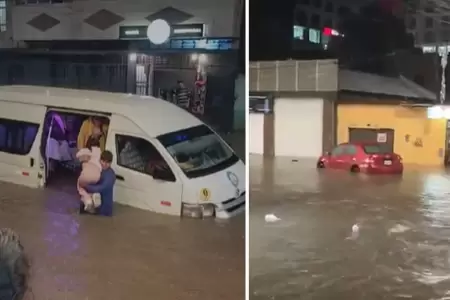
<point x="198" y="151"/>
<point x="374" y="149"/>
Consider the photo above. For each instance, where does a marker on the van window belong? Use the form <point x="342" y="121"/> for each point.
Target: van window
<point x="139" y="155"/>
<point x="17" y="137"/>
<point x="198" y="151"/>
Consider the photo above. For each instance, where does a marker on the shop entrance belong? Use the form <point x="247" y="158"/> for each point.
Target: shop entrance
<point x="447" y="145"/>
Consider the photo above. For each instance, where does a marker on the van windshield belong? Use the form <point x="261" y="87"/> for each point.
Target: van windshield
<point x="198" y="151"/>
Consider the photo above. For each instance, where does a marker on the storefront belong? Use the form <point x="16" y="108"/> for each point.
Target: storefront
<point x="157" y="46"/>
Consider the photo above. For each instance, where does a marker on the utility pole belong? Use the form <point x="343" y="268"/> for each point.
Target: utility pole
<point x="444" y="56"/>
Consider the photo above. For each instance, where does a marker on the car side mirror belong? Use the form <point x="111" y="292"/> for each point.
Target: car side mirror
<point x="163" y="174"/>
<point x="327" y="153"/>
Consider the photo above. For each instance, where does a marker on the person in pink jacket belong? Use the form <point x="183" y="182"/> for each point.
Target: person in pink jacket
<point x="90" y="174"/>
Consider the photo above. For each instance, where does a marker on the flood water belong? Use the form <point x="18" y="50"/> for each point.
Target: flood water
<point x="135" y="255"/>
<point x="399" y="248"/>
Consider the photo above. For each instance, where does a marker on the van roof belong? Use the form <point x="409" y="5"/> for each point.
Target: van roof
<point x="154" y="115"/>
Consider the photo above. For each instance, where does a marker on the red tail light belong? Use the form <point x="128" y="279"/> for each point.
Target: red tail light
<point x="372" y="158"/>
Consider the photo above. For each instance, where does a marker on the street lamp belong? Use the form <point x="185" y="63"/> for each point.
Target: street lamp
<point x="158" y="32"/>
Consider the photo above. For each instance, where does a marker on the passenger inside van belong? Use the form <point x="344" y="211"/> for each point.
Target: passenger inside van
<point x="137" y="154"/>
<point x="92" y="127"/>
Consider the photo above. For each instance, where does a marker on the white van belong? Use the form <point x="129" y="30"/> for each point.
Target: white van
<point x="202" y="175"/>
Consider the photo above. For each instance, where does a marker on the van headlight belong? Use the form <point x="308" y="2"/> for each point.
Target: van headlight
<point x="199" y="210"/>
<point x="209" y="210"/>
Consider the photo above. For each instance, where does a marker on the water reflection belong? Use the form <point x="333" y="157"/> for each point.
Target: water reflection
<point x="401" y="249"/>
<point x="130" y="256"/>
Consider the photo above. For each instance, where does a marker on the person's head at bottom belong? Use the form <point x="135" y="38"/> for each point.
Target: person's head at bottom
<point x="105" y="160"/>
<point x="14" y="267"/>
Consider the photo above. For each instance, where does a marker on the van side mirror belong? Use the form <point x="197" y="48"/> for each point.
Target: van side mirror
<point x="163" y="174"/>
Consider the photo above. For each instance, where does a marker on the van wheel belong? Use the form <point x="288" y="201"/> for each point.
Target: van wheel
<point x="320" y="165"/>
<point x="354" y="169"/>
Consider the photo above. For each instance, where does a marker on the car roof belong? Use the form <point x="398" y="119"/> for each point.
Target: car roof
<point x="361" y="144"/>
<point x="154" y="115"/>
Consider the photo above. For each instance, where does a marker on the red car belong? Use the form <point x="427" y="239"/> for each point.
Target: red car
<point x="362" y="157"/>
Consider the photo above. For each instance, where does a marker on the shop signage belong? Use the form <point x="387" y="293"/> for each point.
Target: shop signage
<point x="206" y="44"/>
<point x="188" y="30"/>
<point x="381" y="137"/>
<point x="178" y="31"/>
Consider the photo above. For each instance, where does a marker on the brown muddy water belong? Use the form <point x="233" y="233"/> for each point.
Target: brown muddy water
<point x="135" y="255"/>
<point x="399" y="250"/>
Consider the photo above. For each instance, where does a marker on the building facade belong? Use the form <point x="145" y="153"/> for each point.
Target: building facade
<point x="316" y="21"/>
<point x="407" y="130"/>
<point x="38" y="20"/>
<point x="304" y="108"/>
<point x="105" y="45"/>
<point x="428" y="23"/>
<point x="291" y="111"/>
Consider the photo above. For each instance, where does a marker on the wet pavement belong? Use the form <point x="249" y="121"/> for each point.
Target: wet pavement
<point x="399" y="248"/>
<point x="135" y="255"/>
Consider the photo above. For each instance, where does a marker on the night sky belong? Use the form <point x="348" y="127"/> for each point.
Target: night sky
<point x="270" y="29"/>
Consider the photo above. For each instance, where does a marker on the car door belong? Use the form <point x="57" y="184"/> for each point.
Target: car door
<point x="135" y="186"/>
<point x="348" y="157"/>
<point x="341" y="157"/>
<point x="335" y="157"/>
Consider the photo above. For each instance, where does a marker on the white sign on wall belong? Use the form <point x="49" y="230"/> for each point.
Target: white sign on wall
<point x="381" y="137"/>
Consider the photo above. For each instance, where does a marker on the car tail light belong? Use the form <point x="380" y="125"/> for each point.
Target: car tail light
<point x="368" y="160"/>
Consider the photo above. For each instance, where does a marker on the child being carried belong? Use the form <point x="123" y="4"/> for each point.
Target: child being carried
<point x="90" y="174"/>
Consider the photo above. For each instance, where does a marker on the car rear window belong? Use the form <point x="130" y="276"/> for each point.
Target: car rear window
<point x="374" y="149"/>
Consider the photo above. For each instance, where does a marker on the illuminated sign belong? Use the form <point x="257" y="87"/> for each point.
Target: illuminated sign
<point x="330" y="31"/>
<point x="178" y="31"/>
<point x="206" y="44"/>
<point x="438" y="112"/>
<point x="194" y="30"/>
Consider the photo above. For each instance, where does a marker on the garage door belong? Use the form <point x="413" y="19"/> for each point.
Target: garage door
<point x="298" y="127"/>
<point x="256" y="133"/>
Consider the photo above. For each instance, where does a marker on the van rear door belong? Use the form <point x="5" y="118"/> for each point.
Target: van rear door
<point x="20" y="137"/>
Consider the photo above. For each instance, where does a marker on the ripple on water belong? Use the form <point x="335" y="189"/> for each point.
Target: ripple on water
<point x="399" y="252"/>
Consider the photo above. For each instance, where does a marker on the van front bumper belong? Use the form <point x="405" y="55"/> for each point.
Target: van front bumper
<point x="230" y="208"/>
<point x="223" y="210"/>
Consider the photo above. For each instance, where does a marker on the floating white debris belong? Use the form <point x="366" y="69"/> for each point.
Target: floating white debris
<point x="355" y="233"/>
<point x="399" y="228"/>
<point x="271" y="218"/>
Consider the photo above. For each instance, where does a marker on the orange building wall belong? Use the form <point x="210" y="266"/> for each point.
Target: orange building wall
<point x="406" y="121"/>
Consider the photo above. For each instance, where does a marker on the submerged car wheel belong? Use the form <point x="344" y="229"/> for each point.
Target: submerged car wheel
<point x="320" y="165"/>
<point x="354" y="169"/>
